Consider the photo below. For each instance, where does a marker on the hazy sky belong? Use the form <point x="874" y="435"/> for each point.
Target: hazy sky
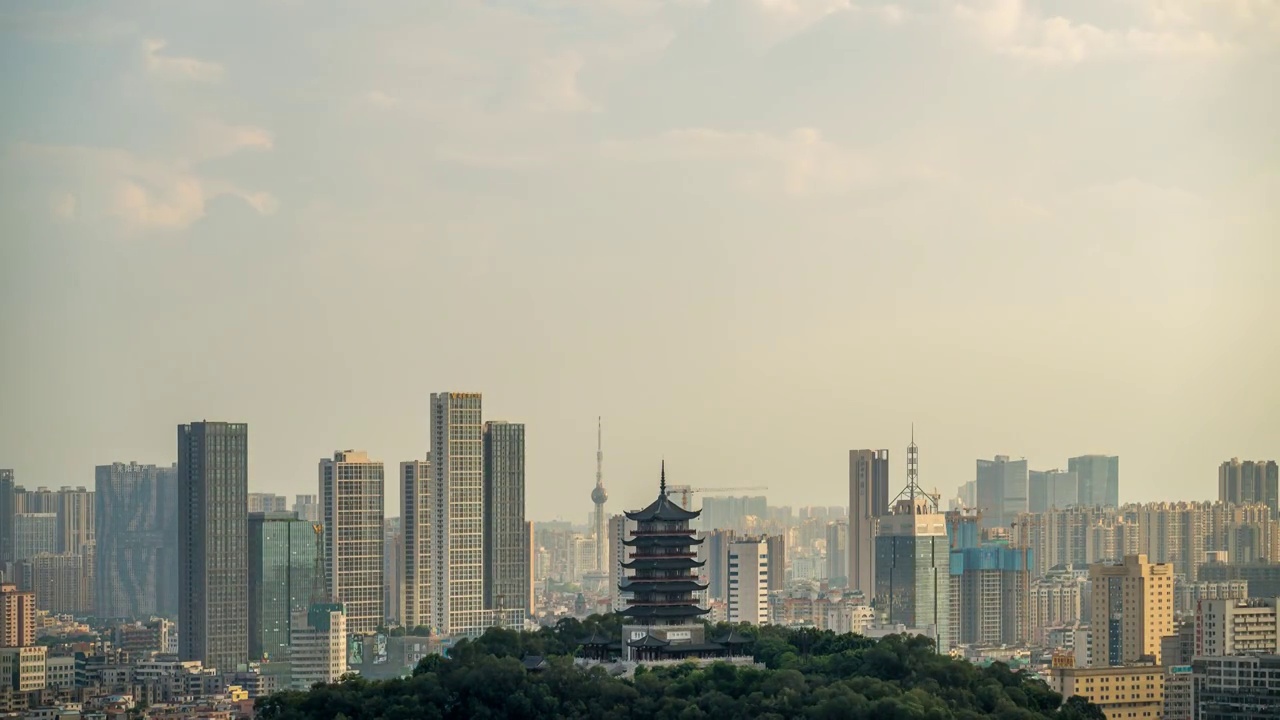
<point x="751" y="234"/>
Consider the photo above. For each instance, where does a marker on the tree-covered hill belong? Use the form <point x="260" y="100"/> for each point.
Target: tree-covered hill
<point x="807" y="674"/>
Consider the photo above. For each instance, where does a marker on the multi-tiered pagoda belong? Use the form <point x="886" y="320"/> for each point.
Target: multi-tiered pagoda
<point x="661" y="576"/>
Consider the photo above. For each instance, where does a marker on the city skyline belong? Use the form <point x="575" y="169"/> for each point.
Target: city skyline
<point x="621" y="192"/>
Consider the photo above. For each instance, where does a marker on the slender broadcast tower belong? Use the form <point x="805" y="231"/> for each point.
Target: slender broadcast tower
<point x="598" y="496"/>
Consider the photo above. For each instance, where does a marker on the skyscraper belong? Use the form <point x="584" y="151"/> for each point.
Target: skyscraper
<point x="416" y="511"/>
<point x="1132" y="609"/>
<point x="351" y="495"/>
<point x="136" y="553"/>
<point x="1249" y="482"/>
<point x="868" y="502"/>
<point x="1002" y="490"/>
<point x="620" y="528"/>
<point x="506" y="552"/>
<point x="457" y="551"/>
<point x="1099" y="477"/>
<point x="213" y="594"/>
<point x="913" y="561"/>
<point x="748" y="600"/>
<point x="282" y="579"/>
<point x="1050" y="489"/>
<point x="7" y="511"/>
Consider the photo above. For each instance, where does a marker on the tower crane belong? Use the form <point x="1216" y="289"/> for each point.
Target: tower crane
<point x="684" y="492"/>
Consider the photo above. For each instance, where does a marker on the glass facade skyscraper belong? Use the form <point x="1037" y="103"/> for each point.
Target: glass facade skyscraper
<point x="913" y="574"/>
<point x="1099" y="477"/>
<point x="282" y="573"/>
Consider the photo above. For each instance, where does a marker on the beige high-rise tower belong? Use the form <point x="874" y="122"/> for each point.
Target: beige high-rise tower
<point x="1132" y="609"/>
<point x="457" y="514"/>
<point x="351" y="494"/>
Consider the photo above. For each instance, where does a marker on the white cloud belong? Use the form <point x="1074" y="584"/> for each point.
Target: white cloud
<point x="179" y="69"/>
<point x="138" y="193"/>
<point x="380" y="100"/>
<point x="1011" y="28"/>
<point x="552" y="85"/>
<point x="213" y="138"/>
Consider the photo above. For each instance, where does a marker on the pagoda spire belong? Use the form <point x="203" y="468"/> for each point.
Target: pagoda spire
<point x="662" y="484"/>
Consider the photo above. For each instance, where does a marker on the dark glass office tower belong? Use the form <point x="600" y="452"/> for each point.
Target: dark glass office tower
<point x="282" y="573"/>
<point x="213" y="574"/>
<point x="6" y="516"/>
<point x="506" y="550"/>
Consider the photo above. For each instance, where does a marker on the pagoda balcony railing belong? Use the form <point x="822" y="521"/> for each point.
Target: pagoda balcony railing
<point x="663" y="556"/>
<point x="679" y="531"/>
<point x="660" y="603"/>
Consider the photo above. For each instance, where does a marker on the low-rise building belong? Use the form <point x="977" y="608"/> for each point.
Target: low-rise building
<point x="1134" y="692"/>
<point x="22" y="668"/>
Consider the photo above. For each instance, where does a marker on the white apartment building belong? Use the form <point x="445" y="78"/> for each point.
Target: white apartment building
<point x="1237" y="627"/>
<point x="748" y="599"/>
<point x="318" y="645"/>
<point x="457" y="517"/>
<point x="351" y="494"/>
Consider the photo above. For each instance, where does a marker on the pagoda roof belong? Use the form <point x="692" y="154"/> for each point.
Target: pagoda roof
<point x="649" y="641"/>
<point x="664" y="611"/>
<point x="663" y="563"/>
<point x="662" y="541"/>
<point x="672" y="585"/>
<point x="598" y="639"/>
<point x="733" y="637"/>
<point x="664" y="508"/>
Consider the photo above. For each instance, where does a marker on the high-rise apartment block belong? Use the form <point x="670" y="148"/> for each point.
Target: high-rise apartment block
<point x="351" y="497"/>
<point x="61" y="583"/>
<point x="507" y="573"/>
<point x="17" y="616"/>
<point x="777" y="548"/>
<point x="837" y="552"/>
<point x="1001" y="490"/>
<point x="994" y="591"/>
<point x="416" y="512"/>
<point x="282" y="579"/>
<point x="1132" y="608"/>
<point x="868" y="502"/>
<point x="1249" y="482"/>
<point x="1099" y="477"/>
<point x="75" y="510"/>
<point x="213" y="595"/>
<point x="748" y="600"/>
<point x="267" y="503"/>
<point x="136" y="546"/>
<point x="457" y="523"/>
<point x="34" y="533"/>
<point x="620" y="528"/>
<point x="307" y="507"/>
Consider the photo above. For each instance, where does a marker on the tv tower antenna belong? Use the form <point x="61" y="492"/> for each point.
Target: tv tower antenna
<point x="599" y="496"/>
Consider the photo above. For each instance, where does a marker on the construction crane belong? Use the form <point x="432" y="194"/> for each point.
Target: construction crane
<point x="684" y="492"/>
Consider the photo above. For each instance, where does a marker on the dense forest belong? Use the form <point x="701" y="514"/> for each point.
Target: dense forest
<point x="808" y="674"/>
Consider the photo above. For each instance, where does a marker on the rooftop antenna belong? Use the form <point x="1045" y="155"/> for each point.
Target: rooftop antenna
<point x="912" y="490"/>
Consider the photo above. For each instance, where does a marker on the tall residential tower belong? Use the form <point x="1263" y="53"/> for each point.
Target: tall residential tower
<point x="457" y="549"/>
<point x="506" y="537"/>
<point x="213" y="499"/>
<point x="351" y="492"/>
<point x="868" y="502"/>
